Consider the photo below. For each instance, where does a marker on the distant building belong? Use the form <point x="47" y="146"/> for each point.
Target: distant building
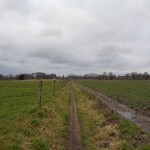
<point x="130" y="78"/>
<point x="38" y="75"/>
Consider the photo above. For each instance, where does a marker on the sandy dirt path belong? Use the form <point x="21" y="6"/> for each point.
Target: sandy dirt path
<point x="75" y="142"/>
<point x="142" y="121"/>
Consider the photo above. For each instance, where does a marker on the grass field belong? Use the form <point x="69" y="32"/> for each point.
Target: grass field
<point x="23" y="125"/>
<point x="135" y="94"/>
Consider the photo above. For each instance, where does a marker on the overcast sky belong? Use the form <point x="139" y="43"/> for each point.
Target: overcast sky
<point x="74" y="36"/>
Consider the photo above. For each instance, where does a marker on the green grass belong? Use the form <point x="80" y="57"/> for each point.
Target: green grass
<point x="132" y="93"/>
<point x="103" y="129"/>
<point x="21" y="121"/>
<point x="24" y="126"/>
<point x="91" y="119"/>
<point x="16" y="144"/>
<point x="128" y="146"/>
<point x="35" y="122"/>
<point x="39" y="144"/>
<point x="145" y="147"/>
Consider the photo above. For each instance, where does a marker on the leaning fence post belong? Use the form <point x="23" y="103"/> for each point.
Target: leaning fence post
<point x="40" y="95"/>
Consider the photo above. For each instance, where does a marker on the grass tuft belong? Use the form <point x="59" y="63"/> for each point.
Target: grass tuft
<point x="35" y="122"/>
<point x="40" y="144"/>
<point x="16" y="144"/>
<point x="127" y="146"/>
<point x="145" y="147"/>
<point x="26" y="131"/>
<point x="41" y="113"/>
<point x="33" y="110"/>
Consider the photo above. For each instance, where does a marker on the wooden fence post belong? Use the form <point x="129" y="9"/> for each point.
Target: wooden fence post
<point x="64" y="82"/>
<point x="40" y="95"/>
<point x="54" y="86"/>
<point x="60" y="84"/>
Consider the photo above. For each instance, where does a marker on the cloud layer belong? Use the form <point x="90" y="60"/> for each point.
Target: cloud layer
<point x="79" y="37"/>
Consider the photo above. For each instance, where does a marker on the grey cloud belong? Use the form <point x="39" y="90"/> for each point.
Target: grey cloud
<point x="20" y="6"/>
<point x="53" y="32"/>
<point x="112" y="57"/>
<point x="59" y="56"/>
<point x="79" y="37"/>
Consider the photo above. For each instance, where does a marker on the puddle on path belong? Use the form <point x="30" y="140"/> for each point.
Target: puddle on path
<point x="131" y="117"/>
<point x="126" y="115"/>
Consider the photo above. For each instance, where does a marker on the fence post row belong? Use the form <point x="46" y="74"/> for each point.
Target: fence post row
<point x="40" y="95"/>
<point x="62" y="84"/>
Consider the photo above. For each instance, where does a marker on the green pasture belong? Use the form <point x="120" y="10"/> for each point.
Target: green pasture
<point x="23" y="125"/>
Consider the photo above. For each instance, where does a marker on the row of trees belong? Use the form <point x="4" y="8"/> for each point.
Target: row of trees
<point x="37" y="75"/>
<point x="103" y="76"/>
<point x="112" y="76"/>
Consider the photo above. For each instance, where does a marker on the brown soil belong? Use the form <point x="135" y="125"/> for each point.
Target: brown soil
<point x="142" y="121"/>
<point x="75" y="142"/>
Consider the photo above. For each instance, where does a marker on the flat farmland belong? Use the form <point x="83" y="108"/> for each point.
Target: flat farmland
<point x="134" y="93"/>
<point x="23" y="125"/>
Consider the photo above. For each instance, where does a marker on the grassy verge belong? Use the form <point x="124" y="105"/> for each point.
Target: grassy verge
<point x="103" y="129"/>
<point x="23" y="126"/>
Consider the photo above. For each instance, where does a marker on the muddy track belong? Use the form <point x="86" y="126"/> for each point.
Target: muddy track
<point x="141" y="121"/>
<point x="74" y="142"/>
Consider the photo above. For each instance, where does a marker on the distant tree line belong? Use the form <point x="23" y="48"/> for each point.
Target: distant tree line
<point x="112" y="76"/>
<point x="32" y="76"/>
<point x="103" y="76"/>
